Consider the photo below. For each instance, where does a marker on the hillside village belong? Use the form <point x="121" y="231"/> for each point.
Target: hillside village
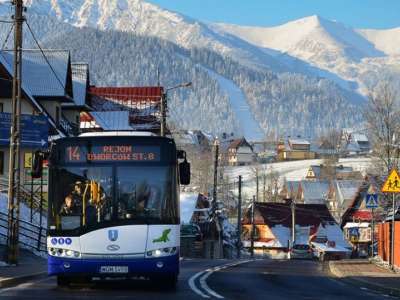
<point x="322" y="194"/>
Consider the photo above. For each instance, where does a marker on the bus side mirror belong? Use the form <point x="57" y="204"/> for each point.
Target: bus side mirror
<point x="184" y="172"/>
<point x="37" y="164"/>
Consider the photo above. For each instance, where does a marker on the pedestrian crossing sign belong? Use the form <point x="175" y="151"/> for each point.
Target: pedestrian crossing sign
<point x="371" y="200"/>
<point x="392" y="183"/>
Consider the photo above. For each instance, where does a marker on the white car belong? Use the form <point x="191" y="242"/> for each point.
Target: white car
<point x="299" y="251"/>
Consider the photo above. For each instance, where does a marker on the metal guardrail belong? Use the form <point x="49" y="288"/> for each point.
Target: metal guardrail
<point x="31" y="236"/>
<point x="26" y="195"/>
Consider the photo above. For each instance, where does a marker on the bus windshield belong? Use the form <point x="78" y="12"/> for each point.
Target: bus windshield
<point x="91" y="197"/>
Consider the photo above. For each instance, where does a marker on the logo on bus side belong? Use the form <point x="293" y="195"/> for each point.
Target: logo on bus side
<point x="113" y="235"/>
<point x="113" y="247"/>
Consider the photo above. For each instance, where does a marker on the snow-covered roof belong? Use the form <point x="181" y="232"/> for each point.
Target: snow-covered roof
<point x="30" y="96"/>
<point x="79" y="84"/>
<point x="314" y="192"/>
<point x="359" y="137"/>
<point x="299" y="142"/>
<point x="43" y="75"/>
<point x="185" y="138"/>
<point x="346" y="190"/>
<point x="187" y="206"/>
<point x="358" y="225"/>
<point x="112" y="120"/>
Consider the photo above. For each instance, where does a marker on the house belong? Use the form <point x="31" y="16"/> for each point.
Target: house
<point x="357" y="218"/>
<point x="81" y="104"/>
<point x="47" y="85"/>
<point x="291" y="190"/>
<point x="124" y="108"/>
<point x="240" y="153"/>
<point x="313" y="192"/>
<point x="324" y="172"/>
<point x="295" y="149"/>
<point x="355" y="142"/>
<point x="342" y="196"/>
<point x="325" y="149"/>
<point x="273" y="226"/>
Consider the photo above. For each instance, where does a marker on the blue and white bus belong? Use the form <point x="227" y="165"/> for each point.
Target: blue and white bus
<point x="113" y="207"/>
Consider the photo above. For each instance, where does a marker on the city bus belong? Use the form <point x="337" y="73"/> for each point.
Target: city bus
<point x="113" y="207"/>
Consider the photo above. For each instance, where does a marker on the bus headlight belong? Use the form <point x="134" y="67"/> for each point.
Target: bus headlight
<point x="63" y="252"/>
<point x="162" y="252"/>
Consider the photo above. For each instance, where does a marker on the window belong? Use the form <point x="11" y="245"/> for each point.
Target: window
<point x="1" y="162"/>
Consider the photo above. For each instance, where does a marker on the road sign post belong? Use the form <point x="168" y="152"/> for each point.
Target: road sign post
<point x="34" y="130"/>
<point x="392" y="185"/>
<point x="371" y="201"/>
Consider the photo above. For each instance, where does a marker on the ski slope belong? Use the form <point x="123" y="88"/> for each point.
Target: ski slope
<point x="251" y="129"/>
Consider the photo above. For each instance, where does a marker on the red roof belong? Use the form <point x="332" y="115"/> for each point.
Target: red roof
<point x="129" y="93"/>
<point x="362" y="215"/>
<point x="273" y="214"/>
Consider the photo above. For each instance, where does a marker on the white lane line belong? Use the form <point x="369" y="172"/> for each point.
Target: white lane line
<point x="193" y="285"/>
<point x="204" y="285"/>
<point x="203" y="280"/>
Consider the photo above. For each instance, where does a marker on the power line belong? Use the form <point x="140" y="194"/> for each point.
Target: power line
<point x="44" y="56"/>
<point x="8" y="36"/>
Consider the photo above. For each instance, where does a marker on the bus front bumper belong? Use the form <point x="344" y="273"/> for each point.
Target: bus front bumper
<point x="105" y="268"/>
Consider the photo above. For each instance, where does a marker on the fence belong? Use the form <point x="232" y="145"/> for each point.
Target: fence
<point x="31" y="236"/>
<point x="384" y="242"/>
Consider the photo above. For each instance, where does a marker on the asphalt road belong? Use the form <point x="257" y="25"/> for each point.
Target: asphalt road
<point x="201" y="279"/>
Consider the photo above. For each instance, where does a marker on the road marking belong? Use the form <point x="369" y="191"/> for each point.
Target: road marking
<point x="207" y="291"/>
<point x="204" y="285"/>
<point x="193" y="285"/>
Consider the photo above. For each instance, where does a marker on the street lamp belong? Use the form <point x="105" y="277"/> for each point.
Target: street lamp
<point x="164" y="104"/>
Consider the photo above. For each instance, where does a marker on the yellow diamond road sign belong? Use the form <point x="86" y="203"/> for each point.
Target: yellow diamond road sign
<point x="392" y="183"/>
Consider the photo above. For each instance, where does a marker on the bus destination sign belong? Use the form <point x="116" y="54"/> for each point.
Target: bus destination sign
<point x="112" y="153"/>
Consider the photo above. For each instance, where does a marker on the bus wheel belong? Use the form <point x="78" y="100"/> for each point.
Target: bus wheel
<point x="62" y="280"/>
<point x="165" y="281"/>
<point x="170" y="281"/>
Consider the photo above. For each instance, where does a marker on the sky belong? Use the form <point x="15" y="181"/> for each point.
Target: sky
<point x="379" y="14"/>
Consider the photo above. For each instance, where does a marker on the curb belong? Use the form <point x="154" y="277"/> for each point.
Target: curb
<point x="362" y="283"/>
<point x="13" y="281"/>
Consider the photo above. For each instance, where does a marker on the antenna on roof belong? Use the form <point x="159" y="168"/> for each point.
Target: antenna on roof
<point x="158" y="76"/>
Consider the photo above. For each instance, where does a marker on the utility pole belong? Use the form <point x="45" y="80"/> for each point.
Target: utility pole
<point x="216" y="144"/>
<point x="253" y="228"/>
<point x="163" y="109"/>
<point x="257" y="185"/>
<point x="293" y="207"/>
<point x="372" y="232"/>
<point x="239" y="216"/>
<point x="15" y="140"/>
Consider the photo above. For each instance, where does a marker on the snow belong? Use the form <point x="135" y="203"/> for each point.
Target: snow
<point x="250" y="127"/>
<point x="359" y="225"/>
<point x="187" y="206"/>
<point x="328" y="48"/>
<point x="24" y="216"/>
<point x="282" y="235"/>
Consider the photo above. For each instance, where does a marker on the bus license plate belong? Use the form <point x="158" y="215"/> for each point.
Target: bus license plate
<point x="114" y="269"/>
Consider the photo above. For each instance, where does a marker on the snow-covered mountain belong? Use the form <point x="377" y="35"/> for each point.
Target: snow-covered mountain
<point x="143" y="18"/>
<point x="292" y="76"/>
<point x="356" y="59"/>
<point x="358" y="56"/>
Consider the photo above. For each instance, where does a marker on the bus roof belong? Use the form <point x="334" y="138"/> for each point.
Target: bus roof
<point x="117" y="133"/>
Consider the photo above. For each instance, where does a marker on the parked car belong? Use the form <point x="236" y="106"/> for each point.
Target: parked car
<point x="191" y="231"/>
<point x="300" y="251"/>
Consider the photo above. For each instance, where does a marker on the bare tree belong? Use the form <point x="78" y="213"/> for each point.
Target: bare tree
<point x="382" y="115"/>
